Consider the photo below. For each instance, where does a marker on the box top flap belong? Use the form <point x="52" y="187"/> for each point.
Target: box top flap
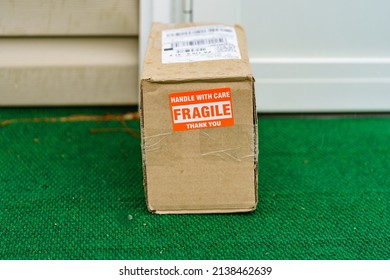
<point x="154" y="70"/>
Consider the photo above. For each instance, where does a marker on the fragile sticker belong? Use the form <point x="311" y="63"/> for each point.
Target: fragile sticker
<point x="199" y="43"/>
<point x="209" y="108"/>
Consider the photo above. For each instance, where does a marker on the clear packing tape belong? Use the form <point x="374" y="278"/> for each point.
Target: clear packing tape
<point x="234" y="143"/>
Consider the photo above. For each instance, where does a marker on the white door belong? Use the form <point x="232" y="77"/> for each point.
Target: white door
<point x="306" y="55"/>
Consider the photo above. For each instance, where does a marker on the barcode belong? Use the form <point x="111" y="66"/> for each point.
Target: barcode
<point x="201" y="42"/>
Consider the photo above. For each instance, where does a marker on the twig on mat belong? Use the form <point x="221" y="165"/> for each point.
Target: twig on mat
<point x="74" y="118"/>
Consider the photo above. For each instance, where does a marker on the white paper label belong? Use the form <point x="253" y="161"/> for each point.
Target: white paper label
<point x="200" y="43"/>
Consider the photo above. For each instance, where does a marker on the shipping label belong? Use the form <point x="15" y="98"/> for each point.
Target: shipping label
<point x="209" y="108"/>
<point x="199" y="43"/>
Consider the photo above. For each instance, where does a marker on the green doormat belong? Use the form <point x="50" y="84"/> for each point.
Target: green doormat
<point x="71" y="188"/>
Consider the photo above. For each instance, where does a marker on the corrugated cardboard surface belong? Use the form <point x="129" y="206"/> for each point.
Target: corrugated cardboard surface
<point x="204" y="170"/>
<point x="154" y="70"/>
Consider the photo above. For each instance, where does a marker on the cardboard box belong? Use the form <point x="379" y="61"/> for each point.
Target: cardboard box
<point x="198" y="120"/>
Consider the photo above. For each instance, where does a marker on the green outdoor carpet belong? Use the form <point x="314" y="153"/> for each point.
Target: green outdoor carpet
<point x="73" y="190"/>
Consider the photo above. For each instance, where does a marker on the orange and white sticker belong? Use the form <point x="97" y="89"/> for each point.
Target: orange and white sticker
<point x="209" y="108"/>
